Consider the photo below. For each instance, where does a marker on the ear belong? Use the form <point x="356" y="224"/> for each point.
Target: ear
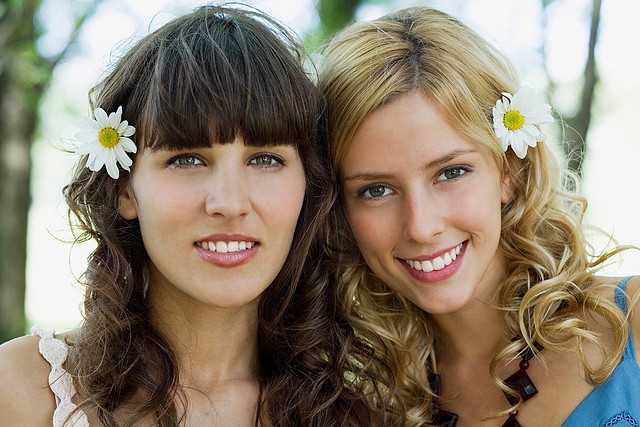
<point x="506" y="189"/>
<point x="127" y="205"/>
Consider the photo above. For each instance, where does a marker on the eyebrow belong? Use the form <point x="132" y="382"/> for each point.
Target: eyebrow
<point x="368" y="176"/>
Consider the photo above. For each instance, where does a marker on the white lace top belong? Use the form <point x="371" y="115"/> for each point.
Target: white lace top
<point x="55" y="352"/>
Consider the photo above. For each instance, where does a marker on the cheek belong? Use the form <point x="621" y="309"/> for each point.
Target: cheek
<point x="477" y="208"/>
<point x="278" y="198"/>
<point x="373" y="228"/>
<point x="167" y="207"/>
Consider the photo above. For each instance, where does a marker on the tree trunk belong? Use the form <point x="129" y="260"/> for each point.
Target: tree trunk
<point x="19" y="100"/>
<point x="576" y="148"/>
<point x="18" y="127"/>
<point x="24" y="77"/>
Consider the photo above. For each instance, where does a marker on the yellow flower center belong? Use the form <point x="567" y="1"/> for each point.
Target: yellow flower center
<point x="108" y="137"/>
<point x="513" y="120"/>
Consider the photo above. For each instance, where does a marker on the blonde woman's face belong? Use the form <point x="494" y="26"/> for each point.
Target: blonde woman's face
<point x="424" y="205"/>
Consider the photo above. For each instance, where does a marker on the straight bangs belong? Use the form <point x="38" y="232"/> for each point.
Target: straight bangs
<point x="219" y="76"/>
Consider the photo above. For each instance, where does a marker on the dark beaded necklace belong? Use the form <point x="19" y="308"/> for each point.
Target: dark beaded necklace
<point x="519" y="381"/>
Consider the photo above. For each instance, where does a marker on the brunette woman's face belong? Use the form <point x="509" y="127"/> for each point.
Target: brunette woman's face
<point x="217" y="222"/>
<point x="424" y="205"/>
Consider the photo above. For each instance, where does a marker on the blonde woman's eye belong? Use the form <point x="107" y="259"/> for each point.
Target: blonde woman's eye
<point x="266" y="161"/>
<point x="375" y="191"/>
<point x="185" y="161"/>
<point x="452" y="173"/>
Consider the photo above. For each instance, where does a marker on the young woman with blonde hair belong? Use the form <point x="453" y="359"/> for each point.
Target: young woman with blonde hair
<point x="461" y="262"/>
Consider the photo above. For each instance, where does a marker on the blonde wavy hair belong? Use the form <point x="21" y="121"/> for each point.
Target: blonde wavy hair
<point x="549" y="293"/>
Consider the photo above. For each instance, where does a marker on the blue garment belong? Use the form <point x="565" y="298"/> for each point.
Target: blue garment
<point x="616" y="402"/>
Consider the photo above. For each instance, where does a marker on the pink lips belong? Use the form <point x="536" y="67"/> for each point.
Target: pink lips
<point x="228" y="259"/>
<point x="437" y="275"/>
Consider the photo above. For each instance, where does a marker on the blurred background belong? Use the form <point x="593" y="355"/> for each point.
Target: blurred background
<point x="52" y="51"/>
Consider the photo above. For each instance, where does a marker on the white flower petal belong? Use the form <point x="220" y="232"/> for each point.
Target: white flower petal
<point x="112" y="122"/>
<point x="110" y="163"/>
<point x="101" y="117"/>
<point x="122" y="126"/>
<point x="128" y="145"/>
<point x="497" y="116"/>
<point x="118" y="116"/>
<point x="519" y="147"/>
<point x="88" y="125"/>
<point x="542" y="115"/>
<point x="98" y="162"/>
<point x="504" y="144"/>
<point x="91" y="159"/>
<point x="86" y="136"/>
<point x="128" y="131"/>
<point x="530" y="131"/>
<point x="86" y="147"/>
<point x="122" y="157"/>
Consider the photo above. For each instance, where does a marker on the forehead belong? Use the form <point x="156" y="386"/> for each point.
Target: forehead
<point x="405" y="133"/>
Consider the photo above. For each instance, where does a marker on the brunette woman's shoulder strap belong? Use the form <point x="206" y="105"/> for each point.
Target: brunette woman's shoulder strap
<point x="55" y="351"/>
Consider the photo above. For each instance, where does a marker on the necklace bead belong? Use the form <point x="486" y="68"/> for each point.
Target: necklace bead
<point x="519" y="381"/>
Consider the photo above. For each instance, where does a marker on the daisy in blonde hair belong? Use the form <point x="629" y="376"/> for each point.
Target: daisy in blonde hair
<point x="517" y="119"/>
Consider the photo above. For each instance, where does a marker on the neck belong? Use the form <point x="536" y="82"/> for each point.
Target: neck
<point x="211" y="344"/>
<point x="473" y="334"/>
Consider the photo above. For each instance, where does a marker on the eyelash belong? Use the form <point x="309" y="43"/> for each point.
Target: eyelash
<point x="363" y="192"/>
<point x="464" y="169"/>
<point x="272" y="157"/>
<point x="177" y="161"/>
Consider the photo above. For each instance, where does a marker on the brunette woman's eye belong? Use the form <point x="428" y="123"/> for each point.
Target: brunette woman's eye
<point x="374" y="192"/>
<point x="185" y="161"/>
<point x="452" y="173"/>
<point x="266" y="161"/>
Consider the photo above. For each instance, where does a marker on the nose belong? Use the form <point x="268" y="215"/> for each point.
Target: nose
<point x="228" y="195"/>
<point x="425" y="217"/>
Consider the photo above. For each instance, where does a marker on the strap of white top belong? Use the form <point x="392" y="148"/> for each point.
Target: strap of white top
<point x="55" y="352"/>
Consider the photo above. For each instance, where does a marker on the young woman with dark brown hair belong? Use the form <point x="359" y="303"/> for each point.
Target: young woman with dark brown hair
<point x="200" y="308"/>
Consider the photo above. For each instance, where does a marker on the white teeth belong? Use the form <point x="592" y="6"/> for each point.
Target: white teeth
<point x="427" y="266"/>
<point x="438" y="263"/>
<point x="447" y="259"/>
<point x="224" y="247"/>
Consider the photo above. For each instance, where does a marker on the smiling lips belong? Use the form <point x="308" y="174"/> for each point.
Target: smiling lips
<point x="227" y="250"/>
<point x="436" y="268"/>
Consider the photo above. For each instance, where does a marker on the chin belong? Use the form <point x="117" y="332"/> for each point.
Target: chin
<point x="442" y="302"/>
<point x="235" y="300"/>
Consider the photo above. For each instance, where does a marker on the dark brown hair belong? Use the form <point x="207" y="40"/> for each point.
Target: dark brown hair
<point x="208" y="76"/>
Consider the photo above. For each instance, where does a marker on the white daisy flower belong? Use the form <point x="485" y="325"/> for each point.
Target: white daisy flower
<point x="106" y="140"/>
<point x="517" y="119"/>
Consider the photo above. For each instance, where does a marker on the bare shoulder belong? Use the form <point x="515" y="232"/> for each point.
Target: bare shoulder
<point x="25" y="397"/>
